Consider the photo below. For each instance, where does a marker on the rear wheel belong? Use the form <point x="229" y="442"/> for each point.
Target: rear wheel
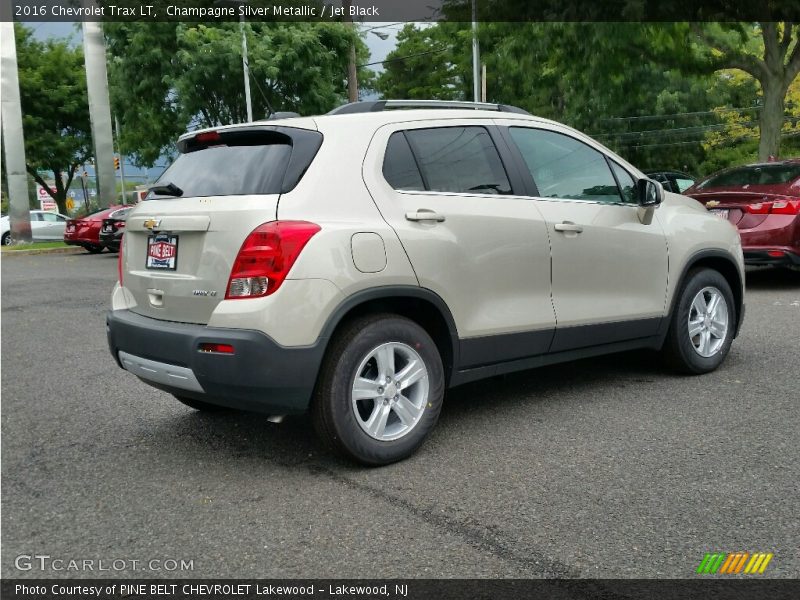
<point x="200" y="405"/>
<point x="380" y="390"/>
<point x="6" y="238"/>
<point x="702" y="324"/>
<point x="92" y="249"/>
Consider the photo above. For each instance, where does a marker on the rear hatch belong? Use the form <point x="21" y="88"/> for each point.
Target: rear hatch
<point x="181" y="241"/>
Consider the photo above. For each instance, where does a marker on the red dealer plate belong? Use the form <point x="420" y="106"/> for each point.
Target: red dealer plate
<point x="162" y="252"/>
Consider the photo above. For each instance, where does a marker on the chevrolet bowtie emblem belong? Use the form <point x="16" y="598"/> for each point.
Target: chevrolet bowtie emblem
<point x="151" y="223"/>
<point x="712" y="203"/>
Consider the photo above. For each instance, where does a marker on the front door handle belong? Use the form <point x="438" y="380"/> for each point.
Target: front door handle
<point x="424" y="214"/>
<point x="568" y="226"/>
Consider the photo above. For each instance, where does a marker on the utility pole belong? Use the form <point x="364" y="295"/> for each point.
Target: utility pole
<point x="352" y="75"/>
<point x="13" y="138"/>
<point x="121" y="159"/>
<point x="94" y="51"/>
<point x="476" y="87"/>
<point x="483" y="82"/>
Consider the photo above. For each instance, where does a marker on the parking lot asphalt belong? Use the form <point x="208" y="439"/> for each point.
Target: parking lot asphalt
<point x="609" y="467"/>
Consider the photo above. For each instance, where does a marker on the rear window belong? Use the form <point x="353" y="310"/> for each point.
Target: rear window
<point x="759" y="175"/>
<point x="229" y="170"/>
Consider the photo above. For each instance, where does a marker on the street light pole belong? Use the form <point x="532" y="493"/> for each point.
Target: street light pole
<point x="352" y="74"/>
<point x="246" y="69"/>
<point x="476" y="78"/>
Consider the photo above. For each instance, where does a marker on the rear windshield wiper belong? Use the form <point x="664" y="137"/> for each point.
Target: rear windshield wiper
<point x="166" y="189"/>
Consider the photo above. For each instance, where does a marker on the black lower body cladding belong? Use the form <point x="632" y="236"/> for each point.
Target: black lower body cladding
<point x="260" y="375"/>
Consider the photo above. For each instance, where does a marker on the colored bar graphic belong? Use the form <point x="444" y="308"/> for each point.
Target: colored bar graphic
<point x="733" y="563"/>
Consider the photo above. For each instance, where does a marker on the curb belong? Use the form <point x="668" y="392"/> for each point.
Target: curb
<point x="68" y="250"/>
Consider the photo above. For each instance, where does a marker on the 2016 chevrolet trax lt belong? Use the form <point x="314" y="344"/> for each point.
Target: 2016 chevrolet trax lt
<point x="358" y="264"/>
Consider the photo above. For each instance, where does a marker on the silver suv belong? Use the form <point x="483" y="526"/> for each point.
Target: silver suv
<point x="358" y="264"/>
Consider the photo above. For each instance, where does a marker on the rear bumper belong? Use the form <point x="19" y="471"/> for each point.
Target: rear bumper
<point x="260" y="376"/>
<point x="772" y="256"/>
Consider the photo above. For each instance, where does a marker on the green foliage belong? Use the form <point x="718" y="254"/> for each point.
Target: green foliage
<point x="55" y="113"/>
<point x="168" y="77"/>
<point x="648" y="91"/>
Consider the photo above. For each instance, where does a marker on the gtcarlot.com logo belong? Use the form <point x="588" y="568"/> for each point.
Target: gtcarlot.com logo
<point x="734" y="563"/>
<point x="45" y="562"/>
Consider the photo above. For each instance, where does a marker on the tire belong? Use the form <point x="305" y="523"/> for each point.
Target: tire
<point x="6" y="241"/>
<point x="704" y="351"/>
<point x="372" y="347"/>
<point x="200" y="405"/>
<point x="91" y="249"/>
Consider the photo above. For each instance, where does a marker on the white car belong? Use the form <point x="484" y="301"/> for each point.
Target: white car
<point x="358" y="264"/>
<point x="45" y="226"/>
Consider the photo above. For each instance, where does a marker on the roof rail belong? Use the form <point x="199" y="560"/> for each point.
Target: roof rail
<point x="381" y="105"/>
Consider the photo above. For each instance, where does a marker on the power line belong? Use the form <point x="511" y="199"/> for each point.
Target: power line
<point x="715" y="111"/>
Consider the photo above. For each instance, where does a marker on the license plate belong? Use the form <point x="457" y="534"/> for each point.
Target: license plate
<point x="162" y="252"/>
<point x="720" y="212"/>
<point x="106" y="228"/>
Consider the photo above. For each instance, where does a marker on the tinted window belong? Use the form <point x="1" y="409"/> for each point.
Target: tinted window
<point x="758" y="175"/>
<point x="627" y="185"/>
<point x="683" y="184"/>
<point x="459" y="159"/>
<point x="563" y="167"/>
<point x="229" y="170"/>
<point x="399" y="167"/>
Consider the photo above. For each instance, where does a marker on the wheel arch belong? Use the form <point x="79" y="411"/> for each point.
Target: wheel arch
<point x="424" y="307"/>
<point x="725" y="264"/>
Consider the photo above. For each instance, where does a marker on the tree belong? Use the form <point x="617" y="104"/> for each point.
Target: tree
<point x="170" y="77"/>
<point x="55" y="113"/>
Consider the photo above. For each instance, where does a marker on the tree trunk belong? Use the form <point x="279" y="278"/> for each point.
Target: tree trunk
<point x="770" y="120"/>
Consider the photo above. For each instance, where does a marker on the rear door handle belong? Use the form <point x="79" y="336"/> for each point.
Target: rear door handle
<point x="424" y="214"/>
<point x="568" y="226"/>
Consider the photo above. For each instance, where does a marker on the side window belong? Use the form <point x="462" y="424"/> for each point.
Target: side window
<point x="61" y="219"/>
<point x="399" y="168"/>
<point x="36" y="216"/>
<point x="683" y="184"/>
<point x="459" y="159"/>
<point x="49" y="217"/>
<point x="563" y="167"/>
<point x="627" y="185"/>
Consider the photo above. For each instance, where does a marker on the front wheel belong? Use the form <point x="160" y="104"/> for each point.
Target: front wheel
<point x="702" y="324"/>
<point x="380" y="390"/>
<point x="6" y="238"/>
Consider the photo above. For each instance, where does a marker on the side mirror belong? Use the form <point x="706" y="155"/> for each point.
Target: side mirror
<point x="649" y="193"/>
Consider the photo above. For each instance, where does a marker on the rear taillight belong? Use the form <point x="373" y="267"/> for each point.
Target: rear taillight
<point x="781" y="206"/>
<point x="267" y="256"/>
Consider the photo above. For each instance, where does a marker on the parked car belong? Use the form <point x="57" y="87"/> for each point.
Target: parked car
<point x="112" y="229"/>
<point x="763" y="201"/>
<point x="45" y="225"/>
<point x="359" y="263"/>
<point x="673" y="181"/>
<point x="85" y="232"/>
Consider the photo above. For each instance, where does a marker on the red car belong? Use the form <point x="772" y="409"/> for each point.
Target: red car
<point x="763" y="201"/>
<point x="86" y="231"/>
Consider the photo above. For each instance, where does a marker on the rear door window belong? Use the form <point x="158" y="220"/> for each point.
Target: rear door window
<point x="458" y="160"/>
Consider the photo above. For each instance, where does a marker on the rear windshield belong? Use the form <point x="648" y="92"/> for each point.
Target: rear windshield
<point x="232" y="170"/>
<point x="758" y="175"/>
